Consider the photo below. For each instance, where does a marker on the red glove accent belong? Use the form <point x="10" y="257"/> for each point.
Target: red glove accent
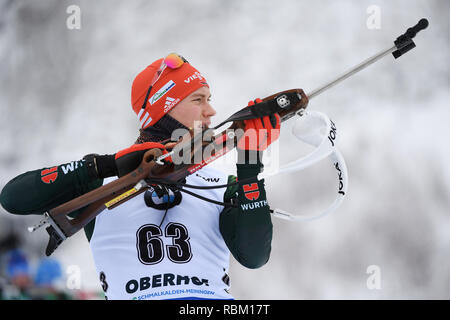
<point x="140" y="147"/>
<point x="260" y="133"/>
<point x="130" y="158"/>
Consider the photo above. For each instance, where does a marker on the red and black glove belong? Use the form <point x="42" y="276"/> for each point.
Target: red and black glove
<point x="130" y="158"/>
<point x="123" y="162"/>
<point x="258" y="134"/>
<point x="261" y="132"/>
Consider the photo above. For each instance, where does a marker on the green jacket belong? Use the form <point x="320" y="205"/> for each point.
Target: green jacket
<point x="248" y="234"/>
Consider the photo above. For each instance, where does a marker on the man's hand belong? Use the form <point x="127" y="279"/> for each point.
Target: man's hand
<point x="259" y="133"/>
<point x="130" y="158"/>
<point x="124" y="161"/>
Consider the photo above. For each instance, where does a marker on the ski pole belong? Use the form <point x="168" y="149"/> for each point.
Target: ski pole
<point x="402" y="44"/>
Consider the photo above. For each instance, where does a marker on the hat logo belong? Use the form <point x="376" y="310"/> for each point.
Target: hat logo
<point x="196" y="75"/>
<point x="161" y="92"/>
<point x="170" y="103"/>
<point x="144" y="120"/>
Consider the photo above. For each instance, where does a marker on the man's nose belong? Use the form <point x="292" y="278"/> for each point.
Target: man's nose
<point x="209" y="111"/>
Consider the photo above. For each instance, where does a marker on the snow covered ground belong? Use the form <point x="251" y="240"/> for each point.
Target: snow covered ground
<point x="66" y="93"/>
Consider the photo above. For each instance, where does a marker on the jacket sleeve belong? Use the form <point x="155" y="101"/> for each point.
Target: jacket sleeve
<point x="247" y="229"/>
<point x="35" y="192"/>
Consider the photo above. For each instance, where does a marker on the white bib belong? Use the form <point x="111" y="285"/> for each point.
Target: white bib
<point x="186" y="256"/>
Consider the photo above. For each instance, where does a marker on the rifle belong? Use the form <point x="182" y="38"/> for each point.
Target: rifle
<point x="153" y="170"/>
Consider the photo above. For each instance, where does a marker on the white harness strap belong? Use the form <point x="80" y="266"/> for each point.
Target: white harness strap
<point x="318" y="130"/>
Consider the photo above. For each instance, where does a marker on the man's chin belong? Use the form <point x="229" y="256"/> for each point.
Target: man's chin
<point x="201" y="127"/>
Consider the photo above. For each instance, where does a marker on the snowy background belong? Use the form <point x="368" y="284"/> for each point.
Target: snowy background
<point x="66" y="93"/>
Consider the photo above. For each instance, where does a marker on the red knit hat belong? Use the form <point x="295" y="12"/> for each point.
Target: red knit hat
<point x="172" y="86"/>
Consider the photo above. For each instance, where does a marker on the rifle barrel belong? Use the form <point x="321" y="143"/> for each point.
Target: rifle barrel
<point x="350" y="72"/>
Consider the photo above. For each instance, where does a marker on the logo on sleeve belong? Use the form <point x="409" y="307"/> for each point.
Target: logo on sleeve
<point x="251" y="191"/>
<point x="49" y="175"/>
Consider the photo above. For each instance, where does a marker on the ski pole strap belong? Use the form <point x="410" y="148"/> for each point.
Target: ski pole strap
<point x="265" y="108"/>
<point x="316" y="129"/>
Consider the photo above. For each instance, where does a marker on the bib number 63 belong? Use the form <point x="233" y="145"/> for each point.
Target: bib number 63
<point x="150" y="245"/>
